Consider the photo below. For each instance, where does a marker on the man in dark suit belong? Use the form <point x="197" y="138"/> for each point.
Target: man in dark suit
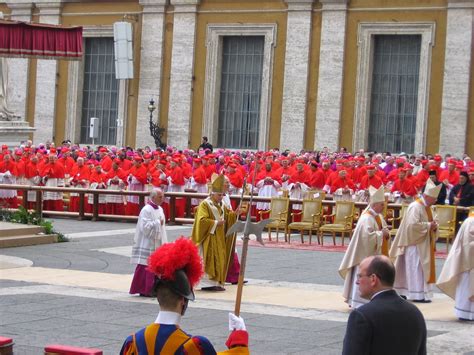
<point x="387" y="324"/>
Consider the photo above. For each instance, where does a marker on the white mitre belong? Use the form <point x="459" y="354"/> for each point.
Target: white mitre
<point x="431" y="189"/>
<point x="377" y="195"/>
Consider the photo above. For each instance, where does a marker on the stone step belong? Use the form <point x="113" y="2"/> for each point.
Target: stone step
<point x="8" y="229"/>
<point x="24" y="240"/>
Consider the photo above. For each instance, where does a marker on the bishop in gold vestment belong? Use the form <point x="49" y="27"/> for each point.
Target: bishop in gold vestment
<point x="211" y="222"/>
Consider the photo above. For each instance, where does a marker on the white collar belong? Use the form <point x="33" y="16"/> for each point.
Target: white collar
<point x="165" y="317"/>
<point x="378" y="293"/>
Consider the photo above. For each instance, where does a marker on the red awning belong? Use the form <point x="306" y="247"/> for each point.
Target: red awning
<point x="22" y="39"/>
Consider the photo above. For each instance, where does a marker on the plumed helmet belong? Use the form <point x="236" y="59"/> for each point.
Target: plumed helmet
<point x="178" y="266"/>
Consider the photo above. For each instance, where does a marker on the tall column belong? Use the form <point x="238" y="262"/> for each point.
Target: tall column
<point x="181" y="82"/>
<point x="17" y="88"/>
<point x="46" y="71"/>
<point x="457" y="68"/>
<point x="151" y="62"/>
<point x="331" y="74"/>
<point x="296" y="74"/>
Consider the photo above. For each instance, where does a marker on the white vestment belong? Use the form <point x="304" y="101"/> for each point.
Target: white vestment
<point x="457" y="276"/>
<point x="266" y="190"/>
<point x="411" y="250"/>
<point x="149" y="234"/>
<point x="366" y="241"/>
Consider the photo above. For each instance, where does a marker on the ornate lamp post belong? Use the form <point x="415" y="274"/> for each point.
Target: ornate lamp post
<point x="155" y="130"/>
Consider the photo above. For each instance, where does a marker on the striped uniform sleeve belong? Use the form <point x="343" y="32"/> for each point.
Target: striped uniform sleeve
<point x="128" y="347"/>
<point x="198" y="345"/>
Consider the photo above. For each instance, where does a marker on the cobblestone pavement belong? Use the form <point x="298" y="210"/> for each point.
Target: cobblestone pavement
<point x="76" y="293"/>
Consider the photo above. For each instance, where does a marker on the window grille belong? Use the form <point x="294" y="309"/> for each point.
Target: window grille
<point x="240" y="92"/>
<point x="394" y="94"/>
<point x="100" y="90"/>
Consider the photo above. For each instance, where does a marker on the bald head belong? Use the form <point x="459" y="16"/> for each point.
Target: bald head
<point x="376" y="273"/>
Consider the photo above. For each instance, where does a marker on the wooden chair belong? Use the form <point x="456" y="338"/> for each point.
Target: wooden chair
<point x="343" y="218"/>
<point x="446" y="222"/>
<point x="278" y="212"/>
<point x="392" y="221"/>
<point x="310" y="219"/>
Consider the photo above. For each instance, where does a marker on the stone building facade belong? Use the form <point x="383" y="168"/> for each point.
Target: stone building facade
<point x="379" y="75"/>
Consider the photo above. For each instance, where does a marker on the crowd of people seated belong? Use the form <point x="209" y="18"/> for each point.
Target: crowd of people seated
<point x="342" y="174"/>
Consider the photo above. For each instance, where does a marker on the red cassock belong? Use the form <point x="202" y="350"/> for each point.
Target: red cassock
<point x="79" y="178"/>
<point x="331" y="177"/>
<point x="100" y="179"/>
<point x="106" y="163"/>
<point x="187" y="170"/>
<point x="126" y="164"/>
<point x="317" y="179"/>
<point x="199" y="175"/>
<point x="31" y="172"/>
<point x="393" y="175"/>
<point x="326" y="173"/>
<point x="288" y="171"/>
<point x="340" y="183"/>
<point x="20" y="168"/>
<point x="114" y="203"/>
<point x="156" y="178"/>
<point x="405" y="186"/>
<point x="53" y="170"/>
<point x="300" y="176"/>
<point x="50" y="172"/>
<point x="451" y="176"/>
<point x="8" y="166"/>
<point x="140" y="174"/>
<point x="68" y="164"/>
<point x="120" y="173"/>
<point x="367" y="181"/>
<point x="271" y="174"/>
<point x="210" y="169"/>
<point x="236" y="179"/>
<point x="381" y="174"/>
<point x="177" y="178"/>
<point x="421" y="178"/>
<point x="20" y="173"/>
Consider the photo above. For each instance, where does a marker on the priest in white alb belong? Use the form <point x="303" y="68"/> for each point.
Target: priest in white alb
<point x="370" y="237"/>
<point x="413" y="248"/>
<point x="457" y="276"/>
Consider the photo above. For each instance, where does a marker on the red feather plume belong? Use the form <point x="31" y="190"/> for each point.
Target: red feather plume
<point x="182" y="254"/>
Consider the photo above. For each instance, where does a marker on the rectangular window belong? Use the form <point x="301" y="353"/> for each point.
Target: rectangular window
<point x="241" y="85"/>
<point x="394" y="93"/>
<point x="100" y="90"/>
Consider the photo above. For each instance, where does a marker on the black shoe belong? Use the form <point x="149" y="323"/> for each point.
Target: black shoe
<point x="421" y="301"/>
<point x="466" y="320"/>
<point x="236" y="283"/>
